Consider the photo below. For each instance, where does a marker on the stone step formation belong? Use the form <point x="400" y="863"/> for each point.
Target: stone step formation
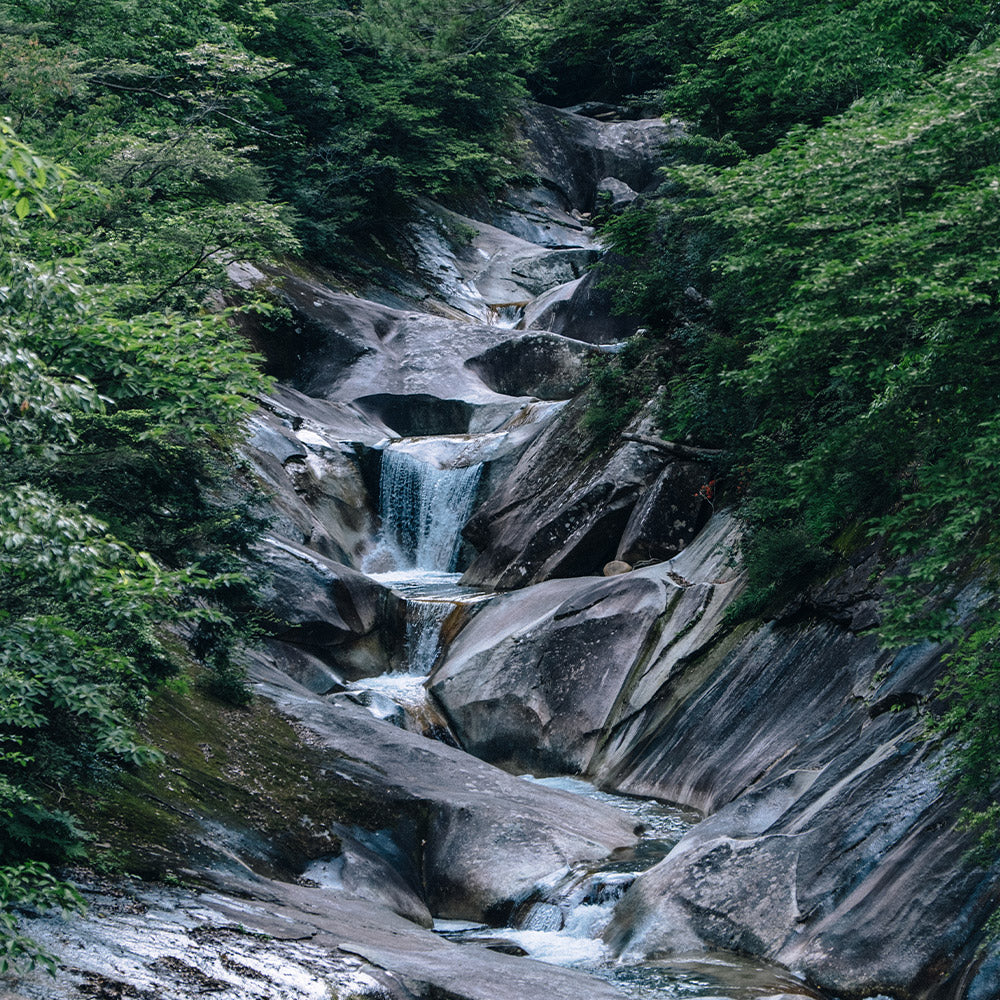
<point x="438" y="510"/>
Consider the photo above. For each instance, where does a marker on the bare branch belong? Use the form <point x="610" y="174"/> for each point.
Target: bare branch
<point x="674" y="448"/>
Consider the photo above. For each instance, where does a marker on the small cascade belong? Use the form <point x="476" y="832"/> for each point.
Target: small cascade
<point x="423" y="507"/>
<point x="563" y="920"/>
<point x="400" y="697"/>
<point x="507" y="315"/>
<point x="423" y="634"/>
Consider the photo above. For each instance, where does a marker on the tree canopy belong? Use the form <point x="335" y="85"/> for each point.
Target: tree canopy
<point x="816" y="277"/>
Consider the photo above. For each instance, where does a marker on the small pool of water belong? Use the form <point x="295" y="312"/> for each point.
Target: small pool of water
<point x="562" y="923"/>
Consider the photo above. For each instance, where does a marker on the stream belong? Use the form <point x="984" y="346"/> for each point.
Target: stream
<point x="423" y="503"/>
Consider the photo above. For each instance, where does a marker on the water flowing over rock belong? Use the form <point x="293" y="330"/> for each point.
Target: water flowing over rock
<point x="422" y="509"/>
<point x="320" y="850"/>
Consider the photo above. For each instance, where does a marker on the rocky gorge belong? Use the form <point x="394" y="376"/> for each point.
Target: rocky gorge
<point x="441" y="521"/>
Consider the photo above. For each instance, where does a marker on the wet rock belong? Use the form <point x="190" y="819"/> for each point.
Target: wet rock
<point x="583" y="311"/>
<point x="332" y="612"/>
<point x="540" y="676"/>
<point x="317" y="494"/>
<point x="986" y="983"/>
<point x="571" y="153"/>
<point x="312" y="672"/>
<point x="830" y="847"/>
<point x="561" y="512"/>
<point x="530" y="682"/>
<point x="380" y="706"/>
<point x="480" y="839"/>
<point x="268" y="940"/>
<point x="545" y="311"/>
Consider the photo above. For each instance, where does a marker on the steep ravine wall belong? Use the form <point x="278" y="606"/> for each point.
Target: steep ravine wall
<point x="316" y="840"/>
<point x="830" y="845"/>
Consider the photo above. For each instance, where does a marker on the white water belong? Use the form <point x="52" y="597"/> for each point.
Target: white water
<point x="564" y="921"/>
<point x="423" y="508"/>
<point x="506" y="316"/>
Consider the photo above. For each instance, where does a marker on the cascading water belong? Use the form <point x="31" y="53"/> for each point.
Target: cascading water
<point x="423" y="634"/>
<point x="423" y="508"/>
<point x="405" y="688"/>
<point x="564" y="919"/>
<point x="427" y="490"/>
<point x="507" y="315"/>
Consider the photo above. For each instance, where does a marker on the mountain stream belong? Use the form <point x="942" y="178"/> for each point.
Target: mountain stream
<point x="424" y="501"/>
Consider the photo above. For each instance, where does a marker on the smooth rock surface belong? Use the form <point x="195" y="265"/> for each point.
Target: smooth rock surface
<point x="582" y="310"/>
<point x="830" y="844"/>
<point x="265" y="940"/>
<point x="572" y="153"/>
<point x="540" y="364"/>
<point x="333" y="613"/>
<point x="305" y="453"/>
<point x="479" y="838"/>
<point x="540" y="676"/>
<point x="562" y="511"/>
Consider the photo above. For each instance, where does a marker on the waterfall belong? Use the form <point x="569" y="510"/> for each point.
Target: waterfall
<point x="507" y="315"/>
<point x="423" y="509"/>
<point x="423" y="634"/>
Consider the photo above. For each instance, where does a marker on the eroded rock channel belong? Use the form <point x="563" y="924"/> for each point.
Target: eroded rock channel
<point x="443" y="628"/>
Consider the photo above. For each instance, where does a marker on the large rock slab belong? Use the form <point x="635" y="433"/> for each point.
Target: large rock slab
<point x="831" y="845"/>
<point x="562" y="511"/>
<point x="257" y="939"/>
<point x="306" y="454"/>
<point x="457" y="265"/>
<point x="540" y="677"/>
<point x="583" y="310"/>
<point x="543" y="365"/>
<point x="573" y="153"/>
<point x="480" y="839"/>
<point x="338" y="615"/>
<point x="402" y="373"/>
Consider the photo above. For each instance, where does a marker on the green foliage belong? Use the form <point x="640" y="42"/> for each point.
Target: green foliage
<point x="751" y="70"/>
<point x="601" y="50"/>
<point x="831" y="313"/>
<point x="620" y="385"/>
<point x="971" y="719"/>
<point x="386" y="102"/>
<point x="771" y="65"/>
<point x="30" y="886"/>
<point x="88" y="402"/>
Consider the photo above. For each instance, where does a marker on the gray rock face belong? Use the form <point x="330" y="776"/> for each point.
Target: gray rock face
<point x="479" y="839"/>
<point x="668" y="517"/>
<point x="830" y="846"/>
<point x="541" y="365"/>
<point x="531" y="682"/>
<point x="409" y="374"/>
<point x="581" y="310"/>
<point x="540" y="677"/>
<point x="614" y="195"/>
<point x="572" y="153"/>
<point x="334" y="613"/>
<point x="303" y="452"/>
<point x="562" y="513"/>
